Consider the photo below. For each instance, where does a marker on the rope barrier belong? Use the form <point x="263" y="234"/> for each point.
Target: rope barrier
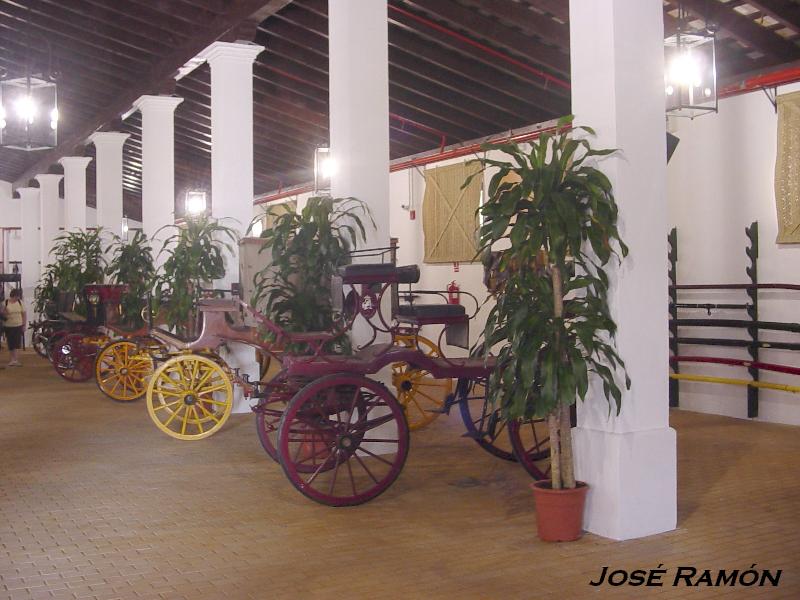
<point x="794" y="389"/>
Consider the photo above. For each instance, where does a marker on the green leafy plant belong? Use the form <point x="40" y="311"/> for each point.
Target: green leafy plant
<point x="132" y="264"/>
<point x="307" y="248"/>
<point x="551" y="321"/>
<point x="78" y="261"/>
<point x="194" y="258"/>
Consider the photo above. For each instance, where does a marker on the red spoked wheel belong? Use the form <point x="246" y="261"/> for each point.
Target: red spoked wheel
<point x="343" y="440"/>
<point x="73" y="357"/>
<point x="531" y="442"/>
<point x="484" y="423"/>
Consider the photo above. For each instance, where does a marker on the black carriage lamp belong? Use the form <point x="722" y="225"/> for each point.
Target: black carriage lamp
<point x="690" y="73"/>
<point x="29" y="105"/>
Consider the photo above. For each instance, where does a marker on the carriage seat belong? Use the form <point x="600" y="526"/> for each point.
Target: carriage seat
<point x="171" y="337"/>
<point x="431" y="313"/>
<point x="379" y="273"/>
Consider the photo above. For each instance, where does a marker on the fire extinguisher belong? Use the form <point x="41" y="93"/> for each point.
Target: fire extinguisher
<point x="453" y="293"/>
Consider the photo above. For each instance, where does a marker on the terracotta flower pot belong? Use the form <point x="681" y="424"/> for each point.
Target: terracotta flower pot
<point x="559" y="513"/>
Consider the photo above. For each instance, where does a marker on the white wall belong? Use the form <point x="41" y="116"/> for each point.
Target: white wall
<point x="720" y="179"/>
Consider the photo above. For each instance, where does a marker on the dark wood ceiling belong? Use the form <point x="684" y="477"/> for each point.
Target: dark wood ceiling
<point x="459" y="69"/>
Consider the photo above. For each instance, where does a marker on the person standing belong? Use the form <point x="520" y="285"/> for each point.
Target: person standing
<point x="14" y="325"/>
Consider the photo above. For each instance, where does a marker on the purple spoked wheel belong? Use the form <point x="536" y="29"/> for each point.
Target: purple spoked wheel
<point x="343" y="440"/>
<point x="73" y="359"/>
<point x="485" y="424"/>
<point x="531" y="442"/>
<point x="270" y="409"/>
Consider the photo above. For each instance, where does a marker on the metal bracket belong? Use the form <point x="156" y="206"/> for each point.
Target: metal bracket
<point x="772" y="95"/>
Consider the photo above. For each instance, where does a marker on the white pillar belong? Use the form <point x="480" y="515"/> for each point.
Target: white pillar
<point x="232" y="162"/>
<point x="158" y="163"/>
<point x="617" y="57"/>
<point x="75" y="191"/>
<point x="51" y="214"/>
<point x="359" y="107"/>
<point x="31" y="245"/>
<point x="109" y="179"/>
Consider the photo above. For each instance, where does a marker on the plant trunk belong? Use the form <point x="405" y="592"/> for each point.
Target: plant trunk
<point x="567" y="466"/>
<point x="555" y="449"/>
<point x="554" y="418"/>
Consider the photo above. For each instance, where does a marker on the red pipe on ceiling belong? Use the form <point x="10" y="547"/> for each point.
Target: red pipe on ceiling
<point x="419" y="161"/>
<point x="758" y="82"/>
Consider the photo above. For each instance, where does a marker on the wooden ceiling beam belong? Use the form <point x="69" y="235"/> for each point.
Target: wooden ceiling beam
<point x="89" y="56"/>
<point x="143" y="14"/>
<point x="494" y="32"/>
<point x="204" y="33"/>
<point x="463" y="58"/>
<point x="53" y="29"/>
<point x="292" y="41"/>
<point x="557" y="8"/>
<point x="480" y="72"/>
<point x="743" y="29"/>
<point x="96" y="22"/>
<point x="785" y="12"/>
<point x="516" y="15"/>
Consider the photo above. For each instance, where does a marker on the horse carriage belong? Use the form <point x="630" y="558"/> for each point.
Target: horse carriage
<point x="339" y="433"/>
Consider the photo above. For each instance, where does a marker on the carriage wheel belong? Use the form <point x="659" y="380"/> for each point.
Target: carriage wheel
<point x="485" y="424"/>
<point x="531" y="442"/>
<point x="40" y="339"/>
<point x="52" y="342"/>
<point x="343" y="440"/>
<point x="190" y="397"/>
<point x="122" y="369"/>
<point x="421" y="395"/>
<point x="270" y="409"/>
<point x="73" y="357"/>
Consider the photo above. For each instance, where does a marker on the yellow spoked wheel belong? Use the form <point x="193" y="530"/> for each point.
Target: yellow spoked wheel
<point x="190" y="397"/>
<point x="420" y="394"/>
<point x="122" y="370"/>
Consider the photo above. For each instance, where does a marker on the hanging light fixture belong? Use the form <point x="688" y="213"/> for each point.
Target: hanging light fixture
<point x="690" y="73"/>
<point x="324" y="168"/>
<point x="29" y="105"/>
<point x="195" y="203"/>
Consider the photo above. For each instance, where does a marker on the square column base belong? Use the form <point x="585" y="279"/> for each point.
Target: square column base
<point x="632" y="478"/>
<point x="239" y="356"/>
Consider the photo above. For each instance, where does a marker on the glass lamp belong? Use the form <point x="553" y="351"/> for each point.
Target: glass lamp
<point x="690" y="74"/>
<point x="28" y="113"/>
<point x="324" y="168"/>
<point x="195" y="203"/>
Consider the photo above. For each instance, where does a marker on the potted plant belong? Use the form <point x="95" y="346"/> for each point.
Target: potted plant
<point x="554" y="217"/>
<point x="78" y="261"/>
<point x="194" y="258"/>
<point x="307" y="248"/>
<point x="132" y="264"/>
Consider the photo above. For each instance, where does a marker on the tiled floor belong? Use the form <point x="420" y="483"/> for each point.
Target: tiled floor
<point x="95" y="502"/>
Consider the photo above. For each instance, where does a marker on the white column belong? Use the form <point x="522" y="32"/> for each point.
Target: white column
<point x="158" y="162"/>
<point x="232" y="162"/>
<point x="629" y="461"/>
<point x="109" y="179"/>
<point x="51" y="214"/>
<point x="75" y="191"/>
<point x="359" y="107"/>
<point x="31" y="245"/>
